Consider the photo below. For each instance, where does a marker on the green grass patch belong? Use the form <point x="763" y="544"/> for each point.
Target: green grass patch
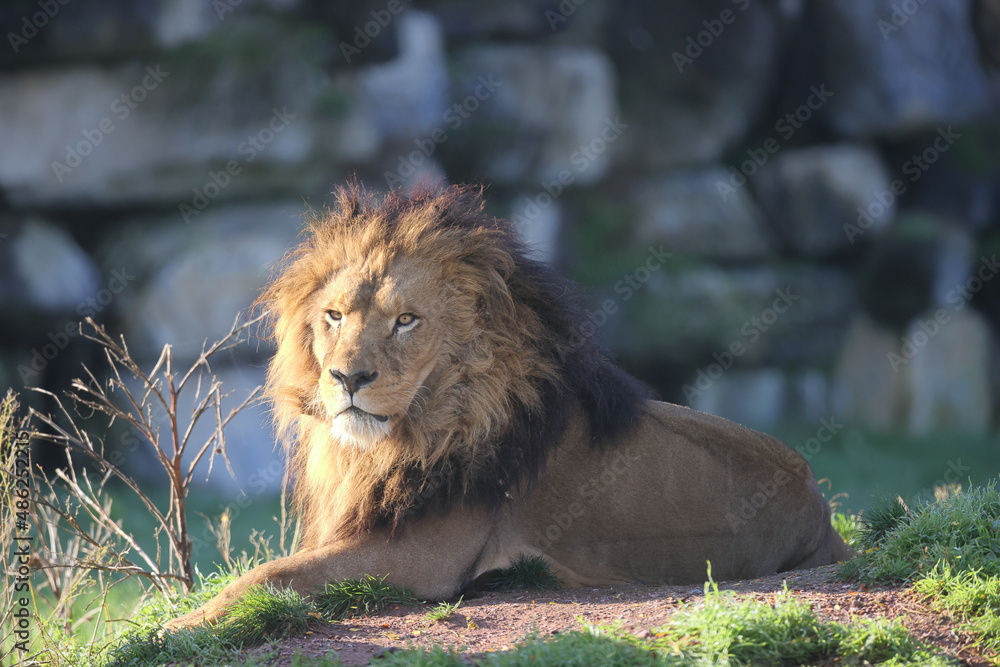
<point x="263" y="614"/>
<point x="591" y="646"/>
<point x="154" y="647"/>
<point x="903" y="544"/>
<point x="848" y="526"/>
<point x="971" y="596"/>
<point x="434" y="657"/>
<point x="360" y="597"/>
<point x="442" y="611"/>
<point x="525" y="573"/>
<point x="146" y="644"/>
<point x="949" y="549"/>
<point x="787" y="632"/>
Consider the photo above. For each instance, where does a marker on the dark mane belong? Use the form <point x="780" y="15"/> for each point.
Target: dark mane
<point x="610" y="397"/>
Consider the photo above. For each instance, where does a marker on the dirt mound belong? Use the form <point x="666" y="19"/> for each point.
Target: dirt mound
<point x="496" y="621"/>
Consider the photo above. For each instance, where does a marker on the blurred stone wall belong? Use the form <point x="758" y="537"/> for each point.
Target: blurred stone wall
<point x="782" y="210"/>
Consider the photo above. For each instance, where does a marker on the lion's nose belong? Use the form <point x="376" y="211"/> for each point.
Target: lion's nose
<point x="354" y="381"/>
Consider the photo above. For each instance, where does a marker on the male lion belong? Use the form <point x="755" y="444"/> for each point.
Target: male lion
<point x="445" y="415"/>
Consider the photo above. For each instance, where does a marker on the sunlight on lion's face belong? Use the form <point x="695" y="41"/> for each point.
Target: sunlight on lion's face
<point x="376" y="339"/>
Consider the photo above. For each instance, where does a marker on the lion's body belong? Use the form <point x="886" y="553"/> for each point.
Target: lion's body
<point x="682" y="489"/>
<point x="446" y="415"/>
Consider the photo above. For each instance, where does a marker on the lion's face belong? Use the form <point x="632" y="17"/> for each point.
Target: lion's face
<point x="376" y="340"/>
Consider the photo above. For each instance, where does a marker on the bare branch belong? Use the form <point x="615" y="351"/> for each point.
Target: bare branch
<point x="134" y="403"/>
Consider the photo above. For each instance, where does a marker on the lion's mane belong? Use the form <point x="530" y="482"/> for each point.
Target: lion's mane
<point x="521" y="362"/>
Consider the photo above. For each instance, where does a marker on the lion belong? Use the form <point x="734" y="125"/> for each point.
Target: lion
<point x="446" y="412"/>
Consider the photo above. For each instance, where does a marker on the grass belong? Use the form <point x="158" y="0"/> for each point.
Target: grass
<point x="971" y="596"/>
<point x="848" y="526"/>
<point x="443" y="611"/>
<point x="264" y="614"/>
<point x="360" y="597"/>
<point x="903" y="544"/>
<point x="527" y="573"/>
<point x="787" y="632"/>
<point x="949" y="549"/>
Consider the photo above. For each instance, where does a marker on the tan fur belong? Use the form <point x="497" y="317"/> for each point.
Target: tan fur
<point x="397" y="496"/>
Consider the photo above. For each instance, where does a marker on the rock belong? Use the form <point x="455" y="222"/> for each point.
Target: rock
<point x="186" y="130"/>
<point x="212" y="272"/>
<point x="688" y="105"/>
<point x="920" y="263"/>
<point x="955" y="250"/>
<point x="540" y="113"/>
<point x="949" y="375"/>
<point x="47" y="31"/>
<point x="868" y="390"/>
<point x="745" y="317"/>
<point x="935" y="377"/>
<point x="46" y="270"/>
<point x="39" y="31"/>
<point x="181" y="21"/>
<point x="864" y="46"/>
<point x="819" y="197"/>
<point x="407" y="96"/>
<point x="686" y="213"/>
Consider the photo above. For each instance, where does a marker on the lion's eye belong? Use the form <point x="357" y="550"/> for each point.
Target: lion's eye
<point x="334" y="316"/>
<point x="406" y="319"/>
